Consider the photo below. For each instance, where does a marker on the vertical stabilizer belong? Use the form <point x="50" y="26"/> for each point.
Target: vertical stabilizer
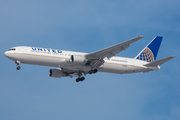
<point x="149" y="53"/>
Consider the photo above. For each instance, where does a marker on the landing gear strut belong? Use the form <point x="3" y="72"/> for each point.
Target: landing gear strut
<point x="17" y="63"/>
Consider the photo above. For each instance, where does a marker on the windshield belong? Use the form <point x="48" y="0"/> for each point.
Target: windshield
<point x="12" y="49"/>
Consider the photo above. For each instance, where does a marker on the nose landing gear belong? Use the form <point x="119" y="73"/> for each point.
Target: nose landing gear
<point x="17" y="63"/>
<point x="18" y="68"/>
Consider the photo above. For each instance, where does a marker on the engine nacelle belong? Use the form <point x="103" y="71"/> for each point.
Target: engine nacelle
<point x="78" y="59"/>
<point x="57" y="73"/>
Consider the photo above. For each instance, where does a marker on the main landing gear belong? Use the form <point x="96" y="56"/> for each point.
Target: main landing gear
<point x="80" y="79"/>
<point x="17" y="63"/>
<point x="93" y="71"/>
<point x="81" y="74"/>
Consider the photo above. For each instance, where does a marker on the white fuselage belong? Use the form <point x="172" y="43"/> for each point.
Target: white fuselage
<point x="60" y="58"/>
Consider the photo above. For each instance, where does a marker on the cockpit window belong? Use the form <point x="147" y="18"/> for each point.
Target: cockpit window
<point x="12" y="49"/>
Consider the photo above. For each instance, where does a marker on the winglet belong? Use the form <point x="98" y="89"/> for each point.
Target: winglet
<point x="140" y="36"/>
<point x="159" y="62"/>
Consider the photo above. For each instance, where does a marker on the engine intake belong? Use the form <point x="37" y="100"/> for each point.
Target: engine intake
<point x="57" y="73"/>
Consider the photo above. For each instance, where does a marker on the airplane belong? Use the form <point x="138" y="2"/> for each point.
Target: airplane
<point x="78" y="64"/>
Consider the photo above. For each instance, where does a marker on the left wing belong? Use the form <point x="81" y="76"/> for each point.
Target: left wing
<point x="96" y="58"/>
<point x="113" y="50"/>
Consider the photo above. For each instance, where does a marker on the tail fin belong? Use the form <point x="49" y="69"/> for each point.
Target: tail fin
<point x="149" y="53"/>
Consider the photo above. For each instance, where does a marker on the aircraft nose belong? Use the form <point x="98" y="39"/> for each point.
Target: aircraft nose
<point x="6" y="54"/>
<point x="10" y="55"/>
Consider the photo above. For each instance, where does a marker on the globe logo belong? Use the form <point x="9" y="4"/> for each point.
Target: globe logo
<point x="146" y="55"/>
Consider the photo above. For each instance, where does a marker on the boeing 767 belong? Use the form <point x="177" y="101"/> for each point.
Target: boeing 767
<point x="69" y="63"/>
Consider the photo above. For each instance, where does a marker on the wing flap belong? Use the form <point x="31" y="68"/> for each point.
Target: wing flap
<point x="159" y="62"/>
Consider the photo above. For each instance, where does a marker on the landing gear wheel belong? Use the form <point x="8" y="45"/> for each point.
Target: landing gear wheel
<point x="90" y="72"/>
<point x="18" y="68"/>
<point x="80" y="79"/>
<point x="77" y="80"/>
<point x="93" y="71"/>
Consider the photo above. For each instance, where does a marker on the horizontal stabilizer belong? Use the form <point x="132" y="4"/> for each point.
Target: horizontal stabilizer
<point x="159" y="62"/>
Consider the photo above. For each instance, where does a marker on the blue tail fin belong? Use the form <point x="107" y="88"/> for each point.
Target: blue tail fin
<point x="149" y="53"/>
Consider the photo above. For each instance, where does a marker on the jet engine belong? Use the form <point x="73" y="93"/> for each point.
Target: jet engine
<point x="57" y="73"/>
<point x="78" y="59"/>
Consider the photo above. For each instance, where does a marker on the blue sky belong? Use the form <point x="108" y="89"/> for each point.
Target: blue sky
<point x="88" y="26"/>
